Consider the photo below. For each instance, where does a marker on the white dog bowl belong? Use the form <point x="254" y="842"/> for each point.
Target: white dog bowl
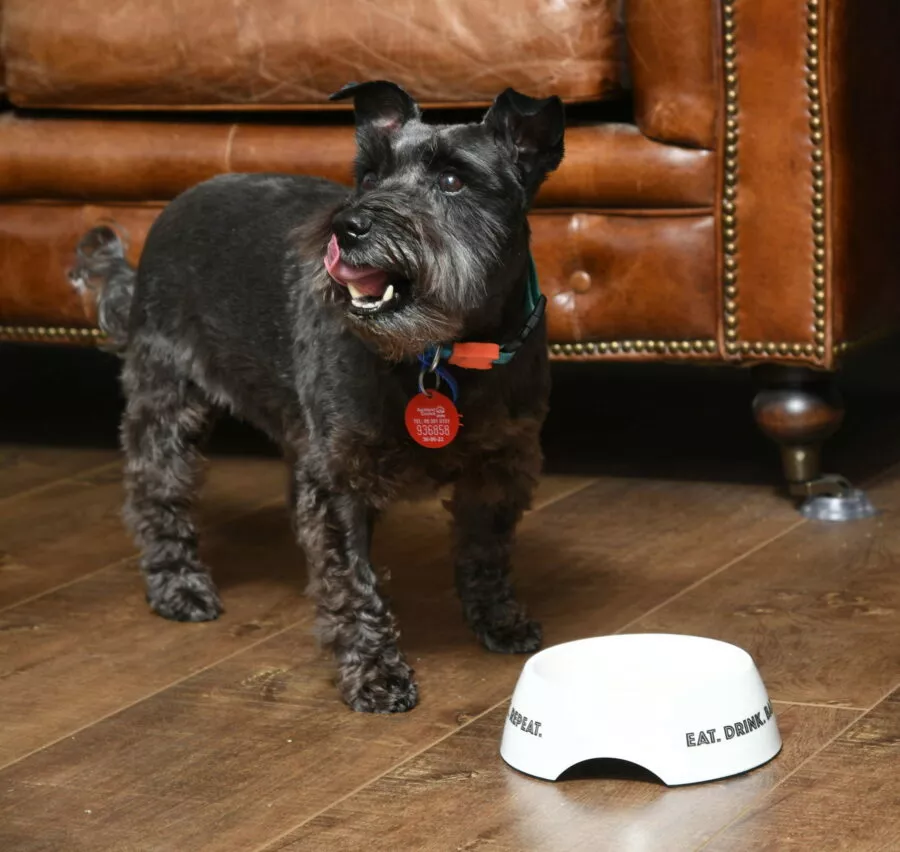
<point x="687" y="709"/>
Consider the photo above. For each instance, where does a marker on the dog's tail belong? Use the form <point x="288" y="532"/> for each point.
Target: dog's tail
<point x="102" y="269"/>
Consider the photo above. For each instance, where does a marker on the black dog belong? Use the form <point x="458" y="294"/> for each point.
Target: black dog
<point x="315" y="314"/>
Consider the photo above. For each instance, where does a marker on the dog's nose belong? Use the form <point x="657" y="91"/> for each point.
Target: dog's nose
<point x="351" y="225"/>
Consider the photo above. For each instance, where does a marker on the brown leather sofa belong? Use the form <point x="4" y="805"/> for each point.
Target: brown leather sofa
<point x="729" y="193"/>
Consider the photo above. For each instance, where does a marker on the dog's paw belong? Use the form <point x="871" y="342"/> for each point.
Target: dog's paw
<point x="183" y="596"/>
<point x="389" y="689"/>
<point x="520" y="636"/>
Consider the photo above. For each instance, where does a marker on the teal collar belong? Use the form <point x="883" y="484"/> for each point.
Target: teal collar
<point x="533" y="295"/>
<point x="535" y="305"/>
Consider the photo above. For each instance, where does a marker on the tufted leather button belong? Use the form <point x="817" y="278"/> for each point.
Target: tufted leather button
<point x="580" y="281"/>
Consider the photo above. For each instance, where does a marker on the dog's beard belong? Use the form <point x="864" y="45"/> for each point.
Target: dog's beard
<point x="441" y="278"/>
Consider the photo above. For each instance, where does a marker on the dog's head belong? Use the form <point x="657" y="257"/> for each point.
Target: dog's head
<point x="435" y="229"/>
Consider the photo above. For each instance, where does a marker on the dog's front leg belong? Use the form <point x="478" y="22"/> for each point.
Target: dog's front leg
<point x="335" y="531"/>
<point x="487" y="505"/>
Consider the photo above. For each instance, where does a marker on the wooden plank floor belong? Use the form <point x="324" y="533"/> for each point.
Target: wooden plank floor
<point x="121" y="731"/>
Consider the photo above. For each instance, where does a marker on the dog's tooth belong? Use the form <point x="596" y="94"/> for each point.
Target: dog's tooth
<point x="388" y="294"/>
<point x="356" y="294"/>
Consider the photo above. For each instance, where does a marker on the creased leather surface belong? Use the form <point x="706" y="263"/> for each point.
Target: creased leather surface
<point x="671" y="57"/>
<point x="615" y="277"/>
<point x="774" y="190"/>
<point x="605" y="276"/>
<point x="37" y="248"/>
<point x="849" y="135"/>
<point x="208" y="52"/>
<point x="2" y="54"/>
<point x="107" y="160"/>
<point x="614" y="165"/>
<point x="610" y="165"/>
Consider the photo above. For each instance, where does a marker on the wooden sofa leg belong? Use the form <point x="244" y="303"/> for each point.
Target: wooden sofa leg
<point x="800" y="409"/>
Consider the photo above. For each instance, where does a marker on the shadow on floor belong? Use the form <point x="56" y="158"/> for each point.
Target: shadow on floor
<point x="609" y="769"/>
<point x="653" y="421"/>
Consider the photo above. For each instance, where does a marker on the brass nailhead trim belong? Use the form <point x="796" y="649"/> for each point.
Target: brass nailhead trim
<point x="730" y="179"/>
<point x="49" y="334"/>
<point x="38" y="333"/>
<point x="770" y="349"/>
<point x="635" y="347"/>
<point x="819" y="211"/>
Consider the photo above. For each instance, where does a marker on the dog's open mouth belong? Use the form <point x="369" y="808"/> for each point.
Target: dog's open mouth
<point x="371" y="290"/>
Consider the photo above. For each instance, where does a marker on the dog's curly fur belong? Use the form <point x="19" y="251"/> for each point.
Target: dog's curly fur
<point x="231" y="308"/>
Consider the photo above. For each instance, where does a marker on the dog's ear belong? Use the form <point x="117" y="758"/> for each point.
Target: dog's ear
<point x="379" y="104"/>
<point x="532" y="130"/>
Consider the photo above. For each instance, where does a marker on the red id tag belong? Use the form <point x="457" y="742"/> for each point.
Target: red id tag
<point x="433" y="420"/>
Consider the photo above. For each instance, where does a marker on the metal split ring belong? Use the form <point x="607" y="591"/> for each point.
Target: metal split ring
<point x="437" y="381"/>
<point x="432" y="368"/>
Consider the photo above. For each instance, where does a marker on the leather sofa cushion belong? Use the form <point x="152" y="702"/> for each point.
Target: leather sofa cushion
<point x="293" y="53"/>
<point x="606" y="165"/>
<point x="640" y="276"/>
<point x="635" y="275"/>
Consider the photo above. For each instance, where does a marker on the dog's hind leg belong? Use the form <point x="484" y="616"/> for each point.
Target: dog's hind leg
<point x="165" y="418"/>
<point x="354" y="621"/>
<point x="487" y="505"/>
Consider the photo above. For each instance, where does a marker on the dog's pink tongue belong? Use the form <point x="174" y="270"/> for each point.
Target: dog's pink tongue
<point x="364" y="279"/>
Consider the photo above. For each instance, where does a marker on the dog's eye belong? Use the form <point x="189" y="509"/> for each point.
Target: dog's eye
<point x="450" y="182"/>
<point x="369" y="180"/>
